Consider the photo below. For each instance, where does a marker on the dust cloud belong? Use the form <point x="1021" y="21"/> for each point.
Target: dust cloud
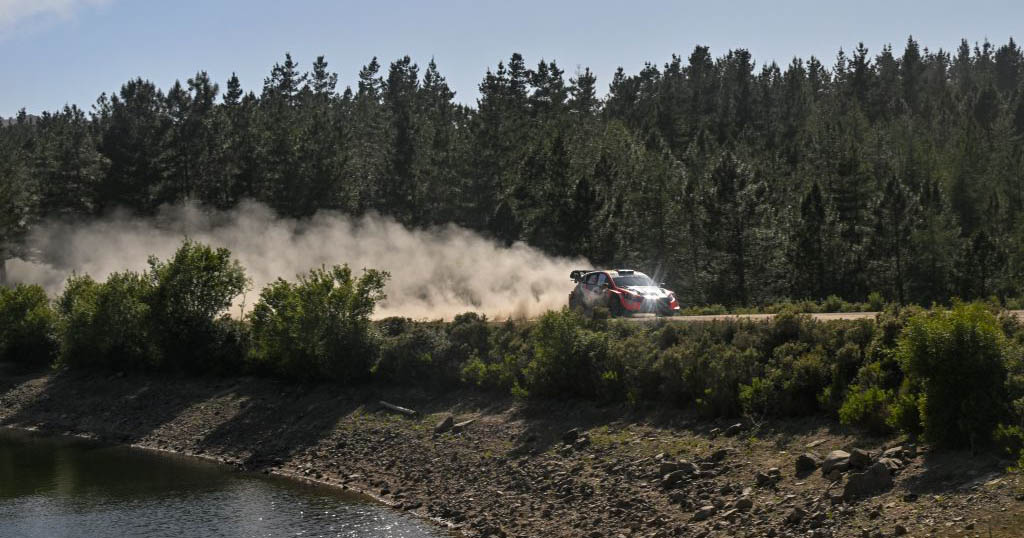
<point x="435" y="273"/>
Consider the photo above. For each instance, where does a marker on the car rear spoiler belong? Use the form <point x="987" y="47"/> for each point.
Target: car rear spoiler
<point x="577" y="274"/>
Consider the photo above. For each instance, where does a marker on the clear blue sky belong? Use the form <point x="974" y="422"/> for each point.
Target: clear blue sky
<point x="54" y="52"/>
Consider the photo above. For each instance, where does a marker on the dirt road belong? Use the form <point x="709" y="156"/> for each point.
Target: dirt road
<point x="827" y="316"/>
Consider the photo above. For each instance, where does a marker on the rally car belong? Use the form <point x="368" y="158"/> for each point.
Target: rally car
<point x="623" y="292"/>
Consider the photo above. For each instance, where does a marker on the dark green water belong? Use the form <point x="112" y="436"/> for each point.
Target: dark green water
<point x="56" y="488"/>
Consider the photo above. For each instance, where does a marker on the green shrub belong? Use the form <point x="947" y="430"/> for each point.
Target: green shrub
<point x="867" y="407"/>
<point x="27" y="326"/>
<point x="956" y="358"/>
<point x="876" y="302"/>
<point x="320" y="326"/>
<point x="420" y="355"/>
<point x="789" y="385"/>
<point x="190" y="292"/>
<point x="107" y="324"/>
<point x="834" y="303"/>
<point x="567" y="358"/>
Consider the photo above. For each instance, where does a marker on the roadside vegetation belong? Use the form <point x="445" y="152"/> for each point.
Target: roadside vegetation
<point x="953" y="376"/>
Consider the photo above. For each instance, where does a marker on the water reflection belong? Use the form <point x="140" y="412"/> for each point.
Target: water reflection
<point x="58" y="488"/>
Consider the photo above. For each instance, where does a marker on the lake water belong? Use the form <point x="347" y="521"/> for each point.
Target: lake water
<point x="57" y="487"/>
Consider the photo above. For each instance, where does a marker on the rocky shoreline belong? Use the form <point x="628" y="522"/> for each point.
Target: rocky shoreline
<point x="495" y="466"/>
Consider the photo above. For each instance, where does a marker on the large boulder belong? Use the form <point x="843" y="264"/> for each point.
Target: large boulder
<point x="875" y="480"/>
<point x="838" y="460"/>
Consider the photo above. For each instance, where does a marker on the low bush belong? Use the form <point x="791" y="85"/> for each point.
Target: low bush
<point x="869" y="408"/>
<point x="108" y="324"/>
<point x="567" y="358"/>
<point x="28" y="326"/>
<point x="318" y="327"/>
<point x="957" y="358"/>
<point x="190" y="293"/>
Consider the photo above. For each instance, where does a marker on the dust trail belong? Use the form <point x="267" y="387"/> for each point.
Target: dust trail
<point x="435" y="273"/>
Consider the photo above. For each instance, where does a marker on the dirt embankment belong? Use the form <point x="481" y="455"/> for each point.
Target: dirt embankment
<point x="502" y="467"/>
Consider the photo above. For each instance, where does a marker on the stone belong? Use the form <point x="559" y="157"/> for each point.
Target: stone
<point x="460" y="426"/>
<point x="720" y="454"/>
<point x="744" y="503"/>
<point x="899" y="530"/>
<point x="796" y="515"/>
<point x="704" y="512"/>
<point x="894" y="465"/>
<point x="807" y="463"/>
<point x="768" y="478"/>
<point x="813" y="444"/>
<point x="836" y="460"/>
<point x="894" y="452"/>
<point x="445" y="424"/>
<point x="874" y="480"/>
<point x="860" y="459"/>
<point x="674" y="478"/>
<point x="734" y="429"/>
<point x="689" y="467"/>
<point x="667" y="467"/>
<point x="570" y="436"/>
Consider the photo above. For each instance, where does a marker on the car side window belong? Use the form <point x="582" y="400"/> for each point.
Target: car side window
<point x="592" y="280"/>
<point x="601" y="279"/>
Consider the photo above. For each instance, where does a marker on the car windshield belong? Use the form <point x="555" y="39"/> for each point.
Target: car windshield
<point x="632" y="280"/>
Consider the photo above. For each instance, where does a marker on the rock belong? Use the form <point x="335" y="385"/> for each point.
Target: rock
<point x="899" y="530"/>
<point x="677" y="497"/>
<point x="458" y="427"/>
<point x="674" y="478"/>
<point x="714" y="432"/>
<point x="894" y="452"/>
<point x="909" y="497"/>
<point x="582" y="441"/>
<point x="814" y="444"/>
<point x="796" y="515"/>
<point x="769" y="477"/>
<point x="806" y="463"/>
<point x="667" y="467"/>
<point x="836" y="460"/>
<point x="734" y="429"/>
<point x="744" y="503"/>
<point x="860" y="459"/>
<point x="894" y="465"/>
<point x="688" y="467"/>
<point x="876" y="479"/>
<point x="445" y="424"/>
<point x="570" y="436"/>
<point x="704" y="512"/>
<point x="720" y="454"/>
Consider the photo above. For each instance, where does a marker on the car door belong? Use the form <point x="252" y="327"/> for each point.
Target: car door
<point x="601" y="290"/>
<point x="590" y="290"/>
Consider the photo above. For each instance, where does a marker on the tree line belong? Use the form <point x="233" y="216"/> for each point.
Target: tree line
<point x="735" y="183"/>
